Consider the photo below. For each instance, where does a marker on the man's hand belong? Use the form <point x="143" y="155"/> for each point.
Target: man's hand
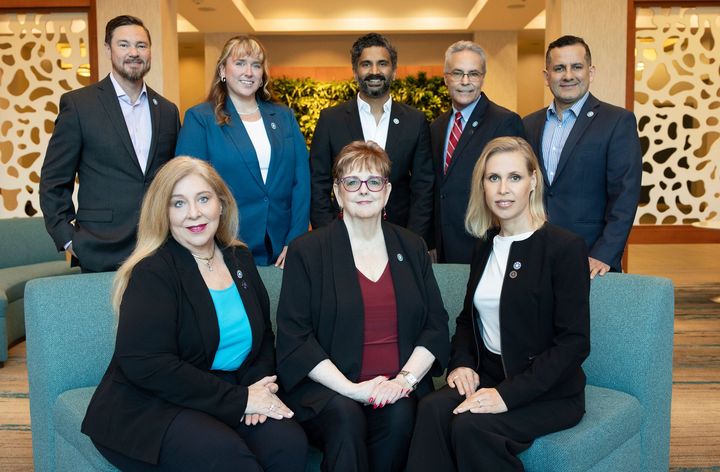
<point x="597" y="267"/>
<point x="70" y="250"/>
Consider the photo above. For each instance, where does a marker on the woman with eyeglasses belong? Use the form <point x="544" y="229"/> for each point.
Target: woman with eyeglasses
<point x="361" y="324"/>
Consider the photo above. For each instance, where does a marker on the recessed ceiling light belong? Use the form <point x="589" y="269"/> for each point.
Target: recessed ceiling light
<point x="206" y="8"/>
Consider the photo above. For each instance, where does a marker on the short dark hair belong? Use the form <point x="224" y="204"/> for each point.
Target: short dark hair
<point x="123" y="20"/>
<point x="568" y="40"/>
<point x="368" y="41"/>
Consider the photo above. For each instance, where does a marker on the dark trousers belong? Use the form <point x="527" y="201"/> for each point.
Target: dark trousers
<point x="443" y="441"/>
<point x="197" y="441"/>
<point x="357" y="438"/>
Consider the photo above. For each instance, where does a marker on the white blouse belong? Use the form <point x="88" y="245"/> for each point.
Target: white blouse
<point x="261" y="143"/>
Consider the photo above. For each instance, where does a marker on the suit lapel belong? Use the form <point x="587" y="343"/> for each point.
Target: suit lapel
<point x="538" y="146"/>
<point x="274" y="133"/>
<point x="109" y="100"/>
<point x="237" y="134"/>
<point x="471" y="126"/>
<point x="352" y="121"/>
<point x="155" y="120"/>
<point x="440" y="139"/>
<point x="587" y="114"/>
<point x="349" y="323"/>
<point x="396" y="129"/>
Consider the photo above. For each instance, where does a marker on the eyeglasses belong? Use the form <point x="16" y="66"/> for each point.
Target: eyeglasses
<point x="457" y="75"/>
<point x="374" y="183"/>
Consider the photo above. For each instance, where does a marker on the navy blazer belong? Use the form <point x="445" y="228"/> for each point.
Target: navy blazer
<point x="320" y="312"/>
<point x="408" y="147"/>
<point x="544" y="317"/>
<point x="452" y="189"/>
<point x="166" y="342"/>
<point x="91" y="142"/>
<point x="596" y="187"/>
<point x="280" y="206"/>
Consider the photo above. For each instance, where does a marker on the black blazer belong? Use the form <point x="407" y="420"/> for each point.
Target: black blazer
<point x="166" y="343"/>
<point x="408" y="146"/>
<point x="320" y="312"/>
<point x="544" y="317"/>
<point x="596" y="187"/>
<point x="452" y="189"/>
<point x="91" y="141"/>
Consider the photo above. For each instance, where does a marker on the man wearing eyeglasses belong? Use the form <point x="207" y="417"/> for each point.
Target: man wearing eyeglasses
<point x="401" y="130"/>
<point x="458" y="137"/>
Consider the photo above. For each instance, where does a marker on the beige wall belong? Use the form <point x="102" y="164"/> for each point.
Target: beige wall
<point x="192" y="90"/>
<point x="530" y="83"/>
<point x="501" y="49"/>
<point x="159" y="17"/>
<point x="603" y="25"/>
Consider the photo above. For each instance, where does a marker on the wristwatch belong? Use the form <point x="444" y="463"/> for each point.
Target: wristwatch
<point x="409" y="378"/>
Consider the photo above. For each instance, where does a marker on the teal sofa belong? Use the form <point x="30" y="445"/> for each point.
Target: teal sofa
<point x="70" y="338"/>
<point x="27" y="253"/>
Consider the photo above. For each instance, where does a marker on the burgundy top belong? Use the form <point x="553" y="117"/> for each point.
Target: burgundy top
<point x="380" y="349"/>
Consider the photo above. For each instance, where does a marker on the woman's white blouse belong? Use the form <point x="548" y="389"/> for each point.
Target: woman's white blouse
<point x="261" y="143"/>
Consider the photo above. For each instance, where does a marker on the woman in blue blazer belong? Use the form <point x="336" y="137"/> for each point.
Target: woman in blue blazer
<point x="257" y="148"/>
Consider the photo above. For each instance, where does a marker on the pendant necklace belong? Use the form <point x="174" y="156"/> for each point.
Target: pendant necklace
<point x="208" y="261"/>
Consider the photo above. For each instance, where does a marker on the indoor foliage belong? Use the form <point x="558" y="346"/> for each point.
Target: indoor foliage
<point x="308" y="97"/>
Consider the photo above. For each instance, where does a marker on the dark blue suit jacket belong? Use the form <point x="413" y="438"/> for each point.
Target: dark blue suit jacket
<point x="281" y="205"/>
<point x="596" y="187"/>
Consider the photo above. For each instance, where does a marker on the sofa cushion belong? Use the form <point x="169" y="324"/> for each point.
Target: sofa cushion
<point x="68" y="413"/>
<point x="13" y="279"/>
<point x="611" y="419"/>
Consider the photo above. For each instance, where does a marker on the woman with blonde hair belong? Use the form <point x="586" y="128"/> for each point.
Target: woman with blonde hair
<point x="256" y="146"/>
<point x="191" y="384"/>
<point x="515" y="371"/>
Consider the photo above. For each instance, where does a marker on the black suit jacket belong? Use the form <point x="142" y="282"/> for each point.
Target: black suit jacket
<point x="452" y="189"/>
<point x="596" y="187"/>
<point x="408" y="146"/>
<point x="166" y="342"/>
<point x="544" y="317"/>
<point x="320" y="312"/>
<point x="91" y="141"/>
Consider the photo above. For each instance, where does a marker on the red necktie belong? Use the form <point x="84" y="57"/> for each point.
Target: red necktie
<point x="455" y="133"/>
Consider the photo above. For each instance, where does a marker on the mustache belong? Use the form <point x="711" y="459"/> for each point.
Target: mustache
<point x="374" y="77"/>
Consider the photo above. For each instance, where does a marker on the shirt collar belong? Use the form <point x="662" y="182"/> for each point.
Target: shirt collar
<point x="467" y="111"/>
<point x="575" y="108"/>
<point x="121" y="93"/>
<point x="364" y="106"/>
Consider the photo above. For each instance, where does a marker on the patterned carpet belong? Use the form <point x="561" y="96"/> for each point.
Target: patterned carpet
<point x="695" y="432"/>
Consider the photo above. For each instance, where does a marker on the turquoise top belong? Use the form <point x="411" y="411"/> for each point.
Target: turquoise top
<point x="235" y="332"/>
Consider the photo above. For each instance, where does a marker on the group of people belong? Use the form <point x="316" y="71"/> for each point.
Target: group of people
<point x="199" y="380"/>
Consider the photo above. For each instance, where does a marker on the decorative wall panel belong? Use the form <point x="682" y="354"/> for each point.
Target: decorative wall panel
<point x="42" y="56"/>
<point x="677" y="103"/>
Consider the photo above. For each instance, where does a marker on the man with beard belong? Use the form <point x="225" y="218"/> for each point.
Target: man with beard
<point x="458" y="138"/>
<point x="113" y="135"/>
<point x="373" y="116"/>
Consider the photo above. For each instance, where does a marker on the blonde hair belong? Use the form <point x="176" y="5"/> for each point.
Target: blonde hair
<point x="362" y="155"/>
<point x="154" y="225"/>
<point x="235" y="47"/>
<point x="479" y="218"/>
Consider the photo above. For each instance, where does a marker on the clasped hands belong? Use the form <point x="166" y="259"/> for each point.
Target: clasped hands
<point x="380" y="391"/>
<point x="484" y="400"/>
<point x="263" y="403"/>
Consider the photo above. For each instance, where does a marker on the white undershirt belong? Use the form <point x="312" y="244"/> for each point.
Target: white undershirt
<point x="261" y="143"/>
<point x="487" y="295"/>
<point x="372" y="130"/>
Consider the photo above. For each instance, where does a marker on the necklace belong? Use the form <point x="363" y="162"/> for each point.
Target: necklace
<point x="245" y="113"/>
<point x="208" y="261"/>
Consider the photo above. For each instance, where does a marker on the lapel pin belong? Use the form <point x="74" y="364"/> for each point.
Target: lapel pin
<point x="590" y="114"/>
<point x="517" y="265"/>
<point x="239" y="274"/>
<point x="154" y="101"/>
<point x="273" y="125"/>
<point x="474" y="124"/>
<point x="396" y="121"/>
<point x="513" y="274"/>
<point x="400" y="257"/>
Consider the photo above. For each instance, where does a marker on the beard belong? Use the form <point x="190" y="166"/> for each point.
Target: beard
<point x="132" y="74"/>
<point x="373" y="92"/>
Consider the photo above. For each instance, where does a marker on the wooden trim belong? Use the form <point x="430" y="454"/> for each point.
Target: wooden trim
<point x="673" y="234"/>
<point x="57" y="5"/>
<point x="630" y="58"/>
<point x="93" y="40"/>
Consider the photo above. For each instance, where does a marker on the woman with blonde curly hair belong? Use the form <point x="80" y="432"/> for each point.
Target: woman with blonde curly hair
<point x="191" y="384"/>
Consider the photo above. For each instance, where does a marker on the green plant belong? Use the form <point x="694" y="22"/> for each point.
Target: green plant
<point x="308" y="97"/>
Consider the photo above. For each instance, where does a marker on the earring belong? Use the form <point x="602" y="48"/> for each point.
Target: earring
<point x="222" y="79"/>
<point x="340" y="215"/>
<point x="384" y="214"/>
